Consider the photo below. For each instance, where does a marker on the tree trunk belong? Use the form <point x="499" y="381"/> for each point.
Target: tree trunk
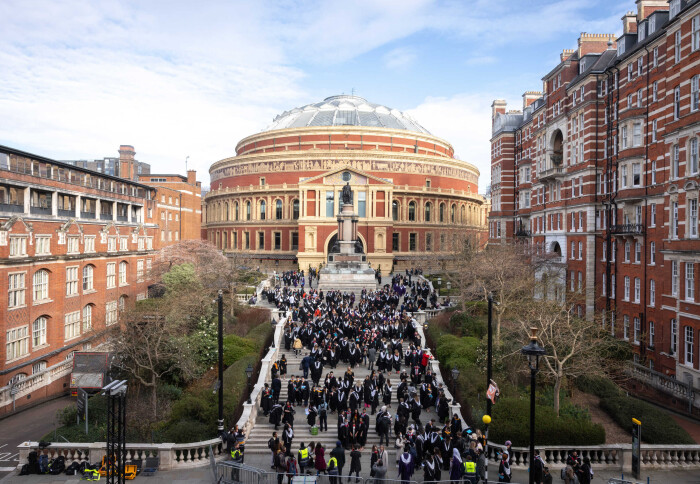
<point x="498" y="330"/>
<point x="154" y="396"/>
<point x="557" y="387"/>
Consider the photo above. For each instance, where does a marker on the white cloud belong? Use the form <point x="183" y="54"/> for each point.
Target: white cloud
<point x="464" y="121"/>
<point x="399" y="58"/>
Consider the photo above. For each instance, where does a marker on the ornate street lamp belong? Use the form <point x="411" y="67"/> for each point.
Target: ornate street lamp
<point x="439" y="281"/>
<point x="249" y="374"/>
<point x="449" y="285"/>
<point x="533" y="351"/>
<point x="455" y="375"/>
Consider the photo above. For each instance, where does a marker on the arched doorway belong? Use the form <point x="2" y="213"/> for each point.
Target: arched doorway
<point x="334" y="238"/>
<point x="557" y="148"/>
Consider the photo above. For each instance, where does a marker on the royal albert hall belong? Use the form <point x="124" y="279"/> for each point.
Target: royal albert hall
<point x="276" y="201"/>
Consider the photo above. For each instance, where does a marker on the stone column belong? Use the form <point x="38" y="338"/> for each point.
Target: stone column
<point x="128" y="212"/>
<point x="78" y="200"/>
<point x="114" y="211"/>
<point x="27" y="200"/>
<point x="54" y="204"/>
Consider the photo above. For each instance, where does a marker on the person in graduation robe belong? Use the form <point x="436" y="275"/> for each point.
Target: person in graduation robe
<point x="407" y="465"/>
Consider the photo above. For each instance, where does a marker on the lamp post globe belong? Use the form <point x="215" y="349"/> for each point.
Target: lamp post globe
<point x="486" y="419"/>
<point x="249" y="374"/>
<point x="533" y="351"/>
<point x="455" y="375"/>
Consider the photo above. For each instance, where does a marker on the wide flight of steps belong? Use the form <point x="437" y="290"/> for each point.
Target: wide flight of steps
<point x="262" y="431"/>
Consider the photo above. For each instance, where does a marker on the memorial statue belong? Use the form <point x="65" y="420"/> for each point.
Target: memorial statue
<point x="347" y="194"/>
<point x="358" y="246"/>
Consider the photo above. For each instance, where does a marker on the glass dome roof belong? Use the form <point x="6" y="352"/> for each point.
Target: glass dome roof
<point x="345" y="111"/>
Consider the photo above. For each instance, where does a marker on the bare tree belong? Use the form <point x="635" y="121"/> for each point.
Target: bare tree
<point x="574" y="345"/>
<point x="505" y="271"/>
<point x="146" y="345"/>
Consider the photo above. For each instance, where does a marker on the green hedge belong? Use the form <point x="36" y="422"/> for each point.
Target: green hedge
<point x="236" y="348"/>
<point x="511" y="421"/>
<point x="658" y="427"/>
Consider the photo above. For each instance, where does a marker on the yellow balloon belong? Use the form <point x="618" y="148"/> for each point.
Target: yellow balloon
<point x="486" y="419"/>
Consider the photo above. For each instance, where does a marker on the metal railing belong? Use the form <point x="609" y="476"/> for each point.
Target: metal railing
<point x="636" y="229"/>
<point x="11" y="207"/>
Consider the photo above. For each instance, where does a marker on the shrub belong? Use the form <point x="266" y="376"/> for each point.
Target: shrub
<point x="262" y="331"/>
<point x="184" y="431"/>
<point x="511" y="421"/>
<point x="464" y="324"/>
<point x="236" y="348"/>
<point x="600" y="387"/>
<point x="658" y="427"/>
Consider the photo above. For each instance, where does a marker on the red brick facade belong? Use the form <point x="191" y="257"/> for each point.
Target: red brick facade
<point x="76" y="248"/>
<point x="412" y="195"/>
<point x="603" y="169"/>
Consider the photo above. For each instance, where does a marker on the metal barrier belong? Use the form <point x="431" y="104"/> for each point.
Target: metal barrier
<point x="234" y="473"/>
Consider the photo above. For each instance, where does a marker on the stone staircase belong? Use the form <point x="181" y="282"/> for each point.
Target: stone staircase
<point x="262" y="431"/>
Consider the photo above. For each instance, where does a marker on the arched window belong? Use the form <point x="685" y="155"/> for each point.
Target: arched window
<point x="295" y="209"/>
<point x="39" y="332"/>
<point x="226" y="215"/>
<point x="224" y="240"/>
<point x="461" y="215"/>
<point x="278" y="210"/>
<point x="442" y="212"/>
<point x="122" y="303"/>
<point x="395" y="210"/>
<point x="428" y="207"/>
<point x="235" y="213"/>
<point x="247" y="210"/>
<point x="88" y="272"/>
<point x="87" y="318"/>
<point x="41" y="285"/>
<point x="262" y="210"/>
<point x="122" y="273"/>
<point x="412" y="211"/>
<point x="453" y="209"/>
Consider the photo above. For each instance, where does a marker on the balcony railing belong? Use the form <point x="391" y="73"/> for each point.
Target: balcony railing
<point x="40" y="210"/>
<point x="556" y="159"/>
<point x="122" y="218"/>
<point x="87" y="214"/>
<point x="523" y="233"/>
<point x="11" y="207"/>
<point x="105" y="216"/>
<point x="66" y="213"/>
<point x="554" y="172"/>
<point x="634" y="229"/>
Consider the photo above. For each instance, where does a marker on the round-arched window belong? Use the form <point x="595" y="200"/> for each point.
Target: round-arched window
<point x="412" y="211"/>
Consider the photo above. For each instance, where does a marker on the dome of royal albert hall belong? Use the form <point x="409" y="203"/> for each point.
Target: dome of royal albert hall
<point x="346" y="110"/>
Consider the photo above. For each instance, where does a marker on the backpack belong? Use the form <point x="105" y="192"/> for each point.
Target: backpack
<point x="72" y="469"/>
<point x="43" y="464"/>
<point x="270" y="443"/>
<point x="292" y="466"/>
<point x="25" y="470"/>
<point x="57" y="466"/>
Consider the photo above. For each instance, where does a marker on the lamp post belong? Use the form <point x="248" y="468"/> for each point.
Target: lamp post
<point x="455" y="375"/>
<point x="489" y="356"/>
<point x="249" y="374"/>
<point x="449" y="285"/>
<point x="220" y="302"/>
<point x="533" y="351"/>
<point x="273" y="323"/>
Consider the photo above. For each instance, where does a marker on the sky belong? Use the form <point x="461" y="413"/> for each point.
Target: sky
<point x="177" y="79"/>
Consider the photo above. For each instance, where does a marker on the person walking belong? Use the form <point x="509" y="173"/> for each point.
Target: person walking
<point x="303" y="457"/>
<point x="355" y="463"/>
<point x="379" y="470"/>
<point x="280" y="464"/>
<point x="339" y="454"/>
<point x="456" y="466"/>
<point x="371" y="357"/>
<point x="320" y="463"/>
<point x="407" y="465"/>
<point x="537" y="468"/>
<point x="504" y="468"/>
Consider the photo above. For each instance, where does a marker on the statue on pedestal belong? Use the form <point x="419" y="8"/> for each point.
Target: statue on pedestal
<point x="347" y="194"/>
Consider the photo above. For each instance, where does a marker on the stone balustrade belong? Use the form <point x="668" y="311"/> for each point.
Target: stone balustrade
<point x="608" y="456"/>
<point x="171" y="456"/>
<point x="665" y="383"/>
<point x="33" y="382"/>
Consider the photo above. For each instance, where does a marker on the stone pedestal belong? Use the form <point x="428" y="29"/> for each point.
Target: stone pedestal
<point x="347" y="270"/>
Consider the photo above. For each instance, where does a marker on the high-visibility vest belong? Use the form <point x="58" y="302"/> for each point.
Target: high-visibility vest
<point x="469" y="467"/>
<point x="235" y="454"/>
<point x="92" y="475"/>
<point x="334" y="461"/>
<point x="303" y="455"/>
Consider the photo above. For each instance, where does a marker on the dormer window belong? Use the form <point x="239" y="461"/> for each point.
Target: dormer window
<point x="652" y="24"/>
<point x="641" y="31"/>
<point x="620" y="47"/>
<point x="674" y="9"/>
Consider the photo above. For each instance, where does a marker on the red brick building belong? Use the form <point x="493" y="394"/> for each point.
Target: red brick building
<point x="178" y="206"/>
<point x="76" y="247"/>
<point x="602" y="170"/>
<point x="276" y="201"/>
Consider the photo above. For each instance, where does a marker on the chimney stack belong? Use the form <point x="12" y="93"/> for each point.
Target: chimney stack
<point x="530" y="97"/>
<point x="565" y="54"/>
<point x="192" y="177"/>
<point x="593" y="43"/>
<point x="126" y="162"/>
<point x="498" y="107"/>
<point x="629" y="23"/>
<point x="647" y="7"/>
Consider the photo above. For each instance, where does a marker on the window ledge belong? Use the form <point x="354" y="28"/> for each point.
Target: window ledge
<point x="89" y="291"/>
<point x="43" y="301"/>
<point x="17" y="307"/>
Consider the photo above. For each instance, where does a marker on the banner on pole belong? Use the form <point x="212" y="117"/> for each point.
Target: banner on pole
<point x="493" y="392"/>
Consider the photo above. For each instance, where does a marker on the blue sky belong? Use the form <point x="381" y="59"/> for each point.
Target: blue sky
<point x="177" y="79"/>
